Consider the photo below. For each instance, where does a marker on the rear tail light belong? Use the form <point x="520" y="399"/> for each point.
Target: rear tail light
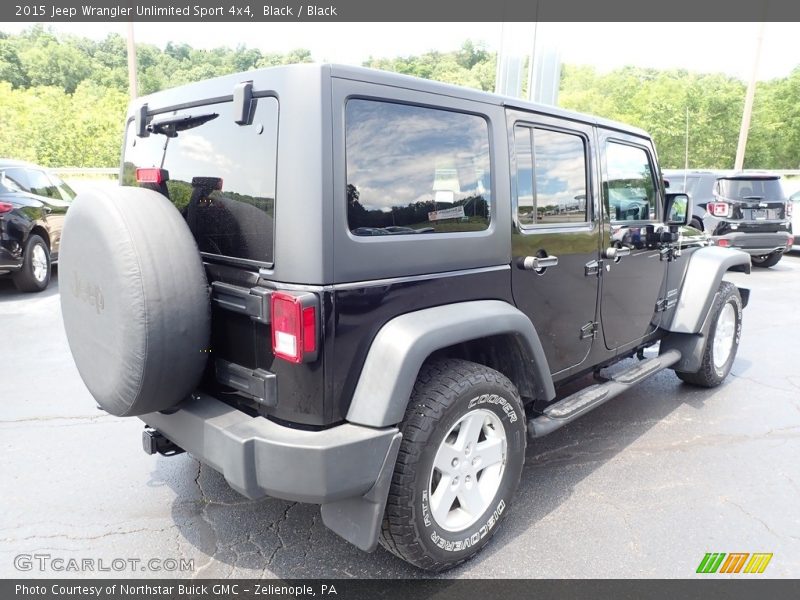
<point x="6" y="207"/>
<point x="294" y="326"/>
<point x="790" y="243"/>
<point x="723" y="243"/>
<point x="719" y="209"/>
<point x="150" y="176"/>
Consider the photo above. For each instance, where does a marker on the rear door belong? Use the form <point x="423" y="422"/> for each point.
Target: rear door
<point x="633" y="275"/>
<point x="554" y="191"/>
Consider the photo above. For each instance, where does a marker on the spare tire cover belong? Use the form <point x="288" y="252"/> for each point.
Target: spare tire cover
<point x="134" y="299"/>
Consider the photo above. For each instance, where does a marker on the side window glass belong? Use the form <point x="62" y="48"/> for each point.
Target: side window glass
<point x="551" y="177"/>
<point x="41" y="185"/>
<point x="523" y="150"/>
<point x="629" y="189"/>
<point x="415" y="170"/>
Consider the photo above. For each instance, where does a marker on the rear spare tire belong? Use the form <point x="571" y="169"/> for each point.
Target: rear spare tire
<point x="134" y="299"/>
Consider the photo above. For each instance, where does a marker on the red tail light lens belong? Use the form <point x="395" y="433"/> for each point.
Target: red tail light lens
<point x="309" y="330"/>
<point x="149" y="176"/>
<point x="294" y="326"/>
<point x="719" y="209"/>
<point x="6" y="207"/>
<point x="723" y="243"/>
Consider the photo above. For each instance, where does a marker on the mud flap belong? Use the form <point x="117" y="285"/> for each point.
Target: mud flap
<point x="358" y="520"/>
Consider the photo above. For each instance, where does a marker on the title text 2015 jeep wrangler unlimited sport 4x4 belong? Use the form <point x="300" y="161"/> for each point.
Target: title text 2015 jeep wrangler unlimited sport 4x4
<point x="361" y="290"/>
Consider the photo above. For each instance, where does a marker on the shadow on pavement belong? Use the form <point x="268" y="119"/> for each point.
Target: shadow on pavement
<point x="287" y="540"/>
<point x="8" y="292"/>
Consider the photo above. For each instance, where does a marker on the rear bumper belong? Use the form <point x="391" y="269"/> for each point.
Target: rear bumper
<point x="755" y="243"/>
<point x="259" y="457"/>
<point x="8" y="261"/>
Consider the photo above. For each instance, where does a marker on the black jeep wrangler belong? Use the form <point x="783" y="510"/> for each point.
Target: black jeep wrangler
<point x="363" y="290"/>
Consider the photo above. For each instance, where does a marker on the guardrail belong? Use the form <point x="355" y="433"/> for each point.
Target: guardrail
<point x="85" y="171"/>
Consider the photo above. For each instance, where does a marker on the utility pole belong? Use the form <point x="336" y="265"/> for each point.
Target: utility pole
<point x="748" y="101"/>
<point x="132" y="81"/>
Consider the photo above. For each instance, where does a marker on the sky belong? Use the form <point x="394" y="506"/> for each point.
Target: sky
<point x="702" y="47"/>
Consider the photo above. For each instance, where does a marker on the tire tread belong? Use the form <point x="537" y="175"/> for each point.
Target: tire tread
<point x="438" y="385"/>
<point x="706" y="376"/>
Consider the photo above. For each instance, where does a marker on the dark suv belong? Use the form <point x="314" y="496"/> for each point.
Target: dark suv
<point x="364" y="290"/>
<point x="746" y="210"/>
<point x="33" y="203"/>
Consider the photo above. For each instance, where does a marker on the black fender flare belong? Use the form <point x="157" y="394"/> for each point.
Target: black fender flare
<point x="703" y="275"/>
<point x="404" y="343"/>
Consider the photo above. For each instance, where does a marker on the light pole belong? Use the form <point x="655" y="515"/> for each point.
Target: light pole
<point x="132" y="81"/>
<point x="748" y="102"/>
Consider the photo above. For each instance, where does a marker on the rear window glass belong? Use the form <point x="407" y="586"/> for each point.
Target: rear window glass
<point x="220" y="175"/>
<point x="9" y="184"/>
<point x="750" y="189"/>
<point x="415" y="170"/>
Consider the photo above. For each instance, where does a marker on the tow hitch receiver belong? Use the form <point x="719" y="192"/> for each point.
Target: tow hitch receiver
<point x="153" y="442"/>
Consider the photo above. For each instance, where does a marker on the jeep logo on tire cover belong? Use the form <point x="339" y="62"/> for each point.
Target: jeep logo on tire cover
<point x="87" y="292"/>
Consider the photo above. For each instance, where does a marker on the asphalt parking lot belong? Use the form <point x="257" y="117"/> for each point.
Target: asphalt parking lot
<point x="642" y="487"/>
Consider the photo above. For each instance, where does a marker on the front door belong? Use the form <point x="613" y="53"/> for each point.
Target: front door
<point x="555" y="226"/>
<point x="633" y="270"/>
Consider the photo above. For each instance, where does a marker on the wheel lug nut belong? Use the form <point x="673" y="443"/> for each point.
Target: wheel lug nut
<point x="455" y="462"/>
<point x="455" y="481"/>
<point x="475" y="461"/>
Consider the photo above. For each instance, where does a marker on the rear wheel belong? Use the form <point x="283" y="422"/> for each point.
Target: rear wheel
<point x="770" y="260"/>
<point x="723" y="339"/>
<point x="34" y="276"/>
<point x="459" y="464"/>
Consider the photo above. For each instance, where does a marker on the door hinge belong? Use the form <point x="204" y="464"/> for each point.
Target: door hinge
<point x="592" y="267"/>
<point x="589" y="330"/>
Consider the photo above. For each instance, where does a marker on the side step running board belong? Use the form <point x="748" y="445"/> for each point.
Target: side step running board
<point x="570" y="408"/>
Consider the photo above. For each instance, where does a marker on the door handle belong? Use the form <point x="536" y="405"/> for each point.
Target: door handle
<point x="614" y="253"/>
<point x="537" y="263"/>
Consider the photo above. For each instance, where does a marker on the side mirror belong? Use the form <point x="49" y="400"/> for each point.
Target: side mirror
<point x="677" y="209"/>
